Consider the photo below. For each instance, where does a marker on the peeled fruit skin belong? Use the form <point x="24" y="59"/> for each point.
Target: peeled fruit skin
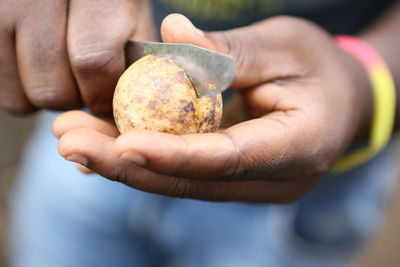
<point x="156" y="94"/>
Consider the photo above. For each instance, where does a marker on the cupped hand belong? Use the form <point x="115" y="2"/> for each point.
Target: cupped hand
<point x="61" y="54"/>
<point x="304" y="100"/>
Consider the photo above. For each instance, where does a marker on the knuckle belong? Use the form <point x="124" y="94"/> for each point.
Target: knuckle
<point x="124" y="176"/>
<point x="288" y="32"/>
<point x="291" y="29"/>
<point x="234" y="168"/>
<point x="46" y="97"/>
<point x="181" y="188"/>
<point x="235" y="45"/>
<point x="90" y="63"/>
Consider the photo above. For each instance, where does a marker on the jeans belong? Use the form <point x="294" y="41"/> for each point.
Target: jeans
<point x="62" y="218"/>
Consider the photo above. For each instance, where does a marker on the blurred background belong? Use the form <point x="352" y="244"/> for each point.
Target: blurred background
<point x="13" y="133"/>
<point x="382" y="250"/>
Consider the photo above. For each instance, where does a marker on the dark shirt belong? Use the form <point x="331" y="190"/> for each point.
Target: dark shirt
<point x="336" y="16"/>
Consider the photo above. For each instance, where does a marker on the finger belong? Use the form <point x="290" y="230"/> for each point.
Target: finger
<point x="262" y="51"/>
<point x="95" y="150"/>
<point x="177" y="28"/>
<point x="256" y="149"/>
<point x="97" y="33"/>
<point x="12" y="96"/>
<point x="79" y="119"/>
<point x="42" y="57"/>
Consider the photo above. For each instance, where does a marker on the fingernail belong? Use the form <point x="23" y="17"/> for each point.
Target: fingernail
<point x="134" y="157"/>
<point x="78" y="159"/>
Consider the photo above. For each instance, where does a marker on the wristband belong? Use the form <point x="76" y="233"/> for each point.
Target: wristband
<point x="384" y="102"/>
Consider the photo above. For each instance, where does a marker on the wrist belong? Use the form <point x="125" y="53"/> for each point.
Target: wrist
<point x="362" y="99"/>
<point x="383" y="107"/>
<point x="386" y="50"/>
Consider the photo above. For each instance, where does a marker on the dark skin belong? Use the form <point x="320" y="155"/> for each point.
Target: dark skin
<point x="283" y="148"/>
<point x="53" y="51"/>
<point x="304" y="101"/>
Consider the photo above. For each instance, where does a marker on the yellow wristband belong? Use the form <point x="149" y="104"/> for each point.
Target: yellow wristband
<point x="384" y="102"/>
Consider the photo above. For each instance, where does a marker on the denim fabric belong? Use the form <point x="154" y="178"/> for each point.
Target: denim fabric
<point x="62" y="218"/>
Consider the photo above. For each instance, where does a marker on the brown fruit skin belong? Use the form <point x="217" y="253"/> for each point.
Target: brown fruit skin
<point x="156" y="94"/>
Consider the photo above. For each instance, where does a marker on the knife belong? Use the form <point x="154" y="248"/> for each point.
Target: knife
<point x="210" y="72"/>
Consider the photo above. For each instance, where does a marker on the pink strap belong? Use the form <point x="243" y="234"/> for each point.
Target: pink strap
<point x="359" y="49"/>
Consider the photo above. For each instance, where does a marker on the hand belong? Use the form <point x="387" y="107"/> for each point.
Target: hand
<point x="61" y="54"/>
<point x="305" y="102"/>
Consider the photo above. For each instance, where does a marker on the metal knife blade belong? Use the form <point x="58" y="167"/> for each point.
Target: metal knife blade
<point x="209" y="71"/>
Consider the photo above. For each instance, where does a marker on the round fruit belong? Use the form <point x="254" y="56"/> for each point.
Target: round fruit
<point x="156" y="94"/>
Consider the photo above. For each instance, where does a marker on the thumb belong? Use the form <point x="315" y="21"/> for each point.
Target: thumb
<point x="242" y="43"/>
